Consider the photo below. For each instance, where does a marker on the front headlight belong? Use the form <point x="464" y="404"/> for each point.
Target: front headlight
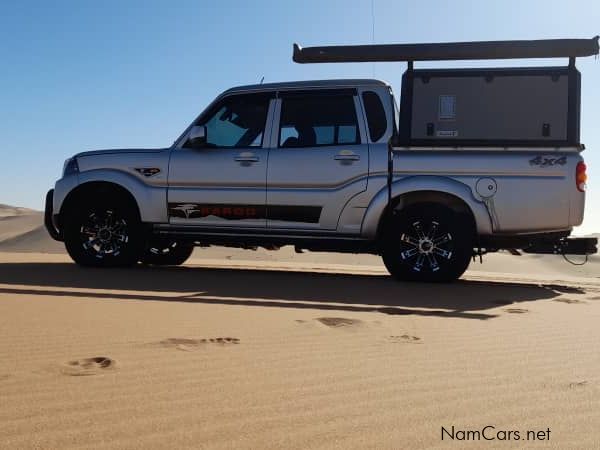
<point x="70" y="167"/>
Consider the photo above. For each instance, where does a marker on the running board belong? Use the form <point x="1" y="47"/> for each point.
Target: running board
<point x="259" y="238"/>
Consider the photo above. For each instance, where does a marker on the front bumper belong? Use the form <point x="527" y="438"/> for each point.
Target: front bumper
<point x="51" y="219"/>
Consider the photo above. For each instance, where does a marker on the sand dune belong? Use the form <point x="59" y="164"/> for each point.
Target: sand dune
<point x="241" y="349"/>
<point x="10" y="211"/>
<point x="16" y="225"/>
<point x="22" y="230"/>
<point x="35" y="240"/>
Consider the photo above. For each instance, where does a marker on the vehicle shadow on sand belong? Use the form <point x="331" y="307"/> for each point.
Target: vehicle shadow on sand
<point x="272" y="288"/>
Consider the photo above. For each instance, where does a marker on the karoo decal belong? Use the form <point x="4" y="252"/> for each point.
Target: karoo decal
<point x="310" y="214"/>
<point x="233" y="212"/>
<point x="547" y="161"/>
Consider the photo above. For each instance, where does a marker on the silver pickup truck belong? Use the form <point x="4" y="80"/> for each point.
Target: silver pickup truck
<point x="473" y="161"/>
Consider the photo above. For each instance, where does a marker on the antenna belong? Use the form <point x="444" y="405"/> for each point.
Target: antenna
<point x="373" y="30"/>
<point x="262" y="79"/>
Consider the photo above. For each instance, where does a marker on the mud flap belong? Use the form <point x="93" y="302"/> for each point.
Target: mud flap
<point x="48" y="222"/>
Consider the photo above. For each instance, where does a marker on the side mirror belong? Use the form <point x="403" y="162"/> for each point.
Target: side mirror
<point x="197" y="137"/>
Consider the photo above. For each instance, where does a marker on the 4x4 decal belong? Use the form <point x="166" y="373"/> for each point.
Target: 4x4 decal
<point x="547" y="161"/>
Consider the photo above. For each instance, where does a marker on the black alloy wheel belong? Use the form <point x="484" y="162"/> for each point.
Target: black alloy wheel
<point x="103" y="235"/>
<point x="428" y="242"/>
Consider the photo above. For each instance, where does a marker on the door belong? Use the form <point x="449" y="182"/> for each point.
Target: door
<point x="319" y="161"/>
<point x="222" y="183"/>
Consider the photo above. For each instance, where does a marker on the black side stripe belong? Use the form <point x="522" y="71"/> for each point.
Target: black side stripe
<point x="310" y="214"/>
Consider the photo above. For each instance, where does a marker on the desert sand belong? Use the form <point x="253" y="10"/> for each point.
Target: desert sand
<point x="240" y="349"/>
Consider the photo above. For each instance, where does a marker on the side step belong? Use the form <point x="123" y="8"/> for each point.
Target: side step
<point x="327" y="242"/>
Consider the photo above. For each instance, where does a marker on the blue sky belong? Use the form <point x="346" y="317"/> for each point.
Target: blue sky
<point x="82" y="75"/>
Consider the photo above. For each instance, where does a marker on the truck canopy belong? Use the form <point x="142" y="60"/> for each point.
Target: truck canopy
<point x="446" y="51"/>
<point x="497" y="107"/>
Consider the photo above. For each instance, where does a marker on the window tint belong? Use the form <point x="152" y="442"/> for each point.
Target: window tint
<point x="375" y="115"/>
<point x="311" y="121"/>
<point x="238" y="121"/>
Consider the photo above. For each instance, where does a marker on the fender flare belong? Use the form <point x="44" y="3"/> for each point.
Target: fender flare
<point x="445" y="185"/>
<point x="151" y="200"/>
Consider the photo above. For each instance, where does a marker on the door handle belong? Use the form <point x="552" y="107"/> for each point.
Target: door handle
<point x="246" y="158"/>
<point x="346" y="157"/>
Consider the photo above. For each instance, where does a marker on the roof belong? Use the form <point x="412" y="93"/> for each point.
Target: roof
<point x="342" y="83"/>
<point x="446" y="51"/>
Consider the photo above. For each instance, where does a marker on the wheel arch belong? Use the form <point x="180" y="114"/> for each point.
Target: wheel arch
<point x="91" y="189"/>
<point x="425" y="197"/>
<point x="150" y="201"/>
<point x="426" y="189"/>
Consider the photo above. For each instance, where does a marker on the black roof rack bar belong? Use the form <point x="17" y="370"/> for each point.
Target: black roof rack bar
<point x="446" y="51"/>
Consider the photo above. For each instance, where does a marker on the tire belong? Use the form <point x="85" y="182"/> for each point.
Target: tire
<point x="166" y="253"/>
<point x="103" y="232"/>
<point x="428" y="242"/>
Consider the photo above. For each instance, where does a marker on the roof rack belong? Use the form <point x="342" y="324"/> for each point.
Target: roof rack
<point x="446" y="51"/>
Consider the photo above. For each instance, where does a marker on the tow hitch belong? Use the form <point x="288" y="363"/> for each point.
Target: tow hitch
<point x="565" y="246"/>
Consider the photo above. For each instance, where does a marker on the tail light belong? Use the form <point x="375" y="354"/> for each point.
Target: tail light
<point x="580" y="176"/>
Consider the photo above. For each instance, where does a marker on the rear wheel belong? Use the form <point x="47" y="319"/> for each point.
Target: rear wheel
<point x="428" y="242"/>
<point x="166" y="253"/>
<point x="103" y="233"/>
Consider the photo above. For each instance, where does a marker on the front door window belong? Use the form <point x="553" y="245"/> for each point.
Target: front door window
<point x="236" y="122"/>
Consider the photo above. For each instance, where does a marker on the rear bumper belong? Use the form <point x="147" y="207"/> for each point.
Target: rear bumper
<point x="557" y="243"/>
<point x="50" y="219"/>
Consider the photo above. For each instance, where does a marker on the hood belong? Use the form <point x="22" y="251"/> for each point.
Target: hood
<point x="120" y="151"/>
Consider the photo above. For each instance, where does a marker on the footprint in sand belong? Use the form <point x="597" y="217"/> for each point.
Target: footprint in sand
<point x="406" y="339"/>
<point x="578" y="384"/>
<point x="338" y="322"/>
<point x="570" y="301"/>
<point x="194" y="344"/>
<point x="88" y="366"/>
<point x="564" y="289"/>
<point x="516" y="310"/>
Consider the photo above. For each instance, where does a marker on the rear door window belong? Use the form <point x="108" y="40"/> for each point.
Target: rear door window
<point x="318" y="120"/>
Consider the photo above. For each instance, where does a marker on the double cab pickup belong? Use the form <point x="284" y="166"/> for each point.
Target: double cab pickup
<point x="470" y="162"/>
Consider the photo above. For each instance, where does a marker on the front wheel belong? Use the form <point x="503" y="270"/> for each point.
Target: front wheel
<point x="428" y="242"/>
<point x="103" y="233"/>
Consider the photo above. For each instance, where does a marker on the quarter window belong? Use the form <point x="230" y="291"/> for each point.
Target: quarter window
<point x="375" y="115"/>
<point x="318" y="120"/>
